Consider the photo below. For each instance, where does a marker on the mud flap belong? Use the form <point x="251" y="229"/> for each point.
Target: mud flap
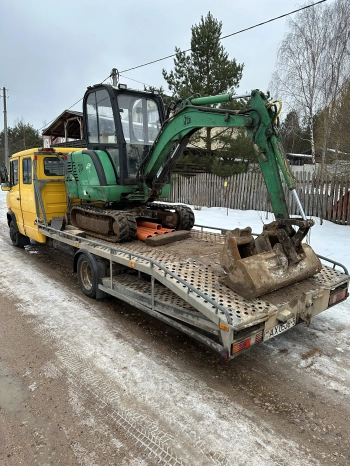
<point x="256" y="267"/>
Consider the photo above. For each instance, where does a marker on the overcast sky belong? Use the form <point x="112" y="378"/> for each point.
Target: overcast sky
<point x="50" y="50"/>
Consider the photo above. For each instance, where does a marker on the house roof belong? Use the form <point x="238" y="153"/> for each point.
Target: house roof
<point x="56" y="128"/>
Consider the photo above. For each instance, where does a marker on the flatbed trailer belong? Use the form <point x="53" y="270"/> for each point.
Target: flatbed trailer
<point x="180" y="283"/>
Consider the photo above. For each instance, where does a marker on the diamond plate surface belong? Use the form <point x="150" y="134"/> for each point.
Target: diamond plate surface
<point x="328" y="277"/>
<point x="201" y="277"/>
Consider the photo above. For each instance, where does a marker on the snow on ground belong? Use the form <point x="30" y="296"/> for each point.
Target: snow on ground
<point x="207" y="420"/>
<point x="329" y="239"/>
<point x="330" y="366"/>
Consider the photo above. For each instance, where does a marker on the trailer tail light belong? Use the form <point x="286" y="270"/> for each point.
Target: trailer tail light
<point x="247" y="343"/>
<point x="337" y="295"/>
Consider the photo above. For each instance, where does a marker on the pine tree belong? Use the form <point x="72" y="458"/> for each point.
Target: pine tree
<point x="205" y="70"/>
<point x="22" y="136"/>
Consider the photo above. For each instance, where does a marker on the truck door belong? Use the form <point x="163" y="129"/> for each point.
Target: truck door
<point x="27" y="196"/>
<point x="14" y="195"/>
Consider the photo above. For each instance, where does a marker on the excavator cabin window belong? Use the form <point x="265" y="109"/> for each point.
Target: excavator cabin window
<point x="100" y="120"/>
<point x="140" y="121"/>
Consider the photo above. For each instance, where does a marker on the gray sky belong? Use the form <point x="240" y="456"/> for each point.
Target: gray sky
<point x="51" y="50"/>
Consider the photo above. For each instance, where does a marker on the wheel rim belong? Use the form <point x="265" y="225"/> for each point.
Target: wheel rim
<point x="86" y="275"/>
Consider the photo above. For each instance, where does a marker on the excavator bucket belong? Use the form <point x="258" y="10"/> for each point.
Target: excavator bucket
<point x="276" y="258"/>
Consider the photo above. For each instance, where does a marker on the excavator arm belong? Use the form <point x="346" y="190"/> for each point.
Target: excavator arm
<point x="277" y="257"/>
<point x="193" y="116"/>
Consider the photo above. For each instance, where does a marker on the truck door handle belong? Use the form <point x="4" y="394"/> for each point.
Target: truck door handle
<point x="18" y="198"/>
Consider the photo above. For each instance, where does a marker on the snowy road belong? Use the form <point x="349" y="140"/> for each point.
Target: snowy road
<point x="128" y="390"/>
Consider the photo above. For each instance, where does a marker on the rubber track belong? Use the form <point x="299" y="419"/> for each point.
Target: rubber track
<point x="185" y="213"/>
<point x="125" y="220"/>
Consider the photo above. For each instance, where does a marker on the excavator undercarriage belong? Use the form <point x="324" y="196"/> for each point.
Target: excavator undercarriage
<point x="119" y="226"/>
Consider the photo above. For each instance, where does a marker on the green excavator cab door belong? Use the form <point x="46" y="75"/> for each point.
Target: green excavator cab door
<point x="124" y="123"/>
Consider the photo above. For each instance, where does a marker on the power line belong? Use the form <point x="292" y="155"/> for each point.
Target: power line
<point x="47" y="124"/>
<point x="230" y="35"/>
<point x="188" y="50"/>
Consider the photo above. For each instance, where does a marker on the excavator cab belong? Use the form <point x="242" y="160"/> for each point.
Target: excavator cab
<point x="124" y="124"/>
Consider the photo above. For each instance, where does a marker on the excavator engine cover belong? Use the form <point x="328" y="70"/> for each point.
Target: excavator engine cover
<point x="275" y="259"/>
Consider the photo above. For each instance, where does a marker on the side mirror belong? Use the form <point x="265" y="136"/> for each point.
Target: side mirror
<point x="3" y="175"/>
<point x="5" y="186"/>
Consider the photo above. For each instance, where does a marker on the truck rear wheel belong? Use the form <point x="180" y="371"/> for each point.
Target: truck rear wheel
<point x="87" y="275"/>
<point x="17" y="238"/>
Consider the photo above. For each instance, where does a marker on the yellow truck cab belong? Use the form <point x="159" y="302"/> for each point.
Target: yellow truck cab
<point x="36" y="192"/>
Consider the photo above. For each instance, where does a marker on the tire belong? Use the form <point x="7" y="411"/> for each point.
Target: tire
<point x="88" y="275"/>
<point x="17" y="238"/>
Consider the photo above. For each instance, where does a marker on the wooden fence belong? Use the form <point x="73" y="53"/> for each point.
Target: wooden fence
<point x="325" y="197"/>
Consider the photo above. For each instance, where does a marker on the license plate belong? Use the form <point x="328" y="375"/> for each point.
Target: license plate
<point x="279" y="328"/>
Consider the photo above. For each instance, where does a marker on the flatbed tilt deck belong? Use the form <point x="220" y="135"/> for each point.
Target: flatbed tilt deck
<point x="180" y="286"/>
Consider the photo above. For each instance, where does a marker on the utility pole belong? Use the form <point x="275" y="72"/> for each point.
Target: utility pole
<point x="5" y="131"/>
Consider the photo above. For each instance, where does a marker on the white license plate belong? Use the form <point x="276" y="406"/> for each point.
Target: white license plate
<point x="279" y="328"/>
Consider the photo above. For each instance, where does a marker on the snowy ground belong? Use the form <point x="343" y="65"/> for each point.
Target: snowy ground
<point x="182" y="418"/>
<point x="329" y="239"/>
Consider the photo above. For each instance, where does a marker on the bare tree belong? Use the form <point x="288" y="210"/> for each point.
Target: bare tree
<point x="336" y="65"/>
<point x="313" y="62"/>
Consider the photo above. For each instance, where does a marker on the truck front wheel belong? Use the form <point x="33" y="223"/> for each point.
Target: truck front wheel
<point x="17" y="238"/>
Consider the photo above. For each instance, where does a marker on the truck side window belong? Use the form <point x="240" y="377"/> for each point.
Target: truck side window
<point x="27" y="171"/>
<point x="14" y="172"/>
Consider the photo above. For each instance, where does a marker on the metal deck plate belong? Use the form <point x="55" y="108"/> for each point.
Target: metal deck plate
<point x="204" y="277"/>
<point x="144" y="288"/>
<point x="165" y="301"/>
<point x="200" y="276"/>
<point x="329" y="277"/>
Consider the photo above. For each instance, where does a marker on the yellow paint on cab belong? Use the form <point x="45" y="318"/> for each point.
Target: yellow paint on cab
<point x="21" y="196"/>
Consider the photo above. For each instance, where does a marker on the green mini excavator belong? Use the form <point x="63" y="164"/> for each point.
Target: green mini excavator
<point x="132" y="147"/>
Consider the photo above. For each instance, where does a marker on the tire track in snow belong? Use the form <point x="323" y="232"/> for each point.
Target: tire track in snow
<point x="81" y="375"/>
<point x="253" y="440"/>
